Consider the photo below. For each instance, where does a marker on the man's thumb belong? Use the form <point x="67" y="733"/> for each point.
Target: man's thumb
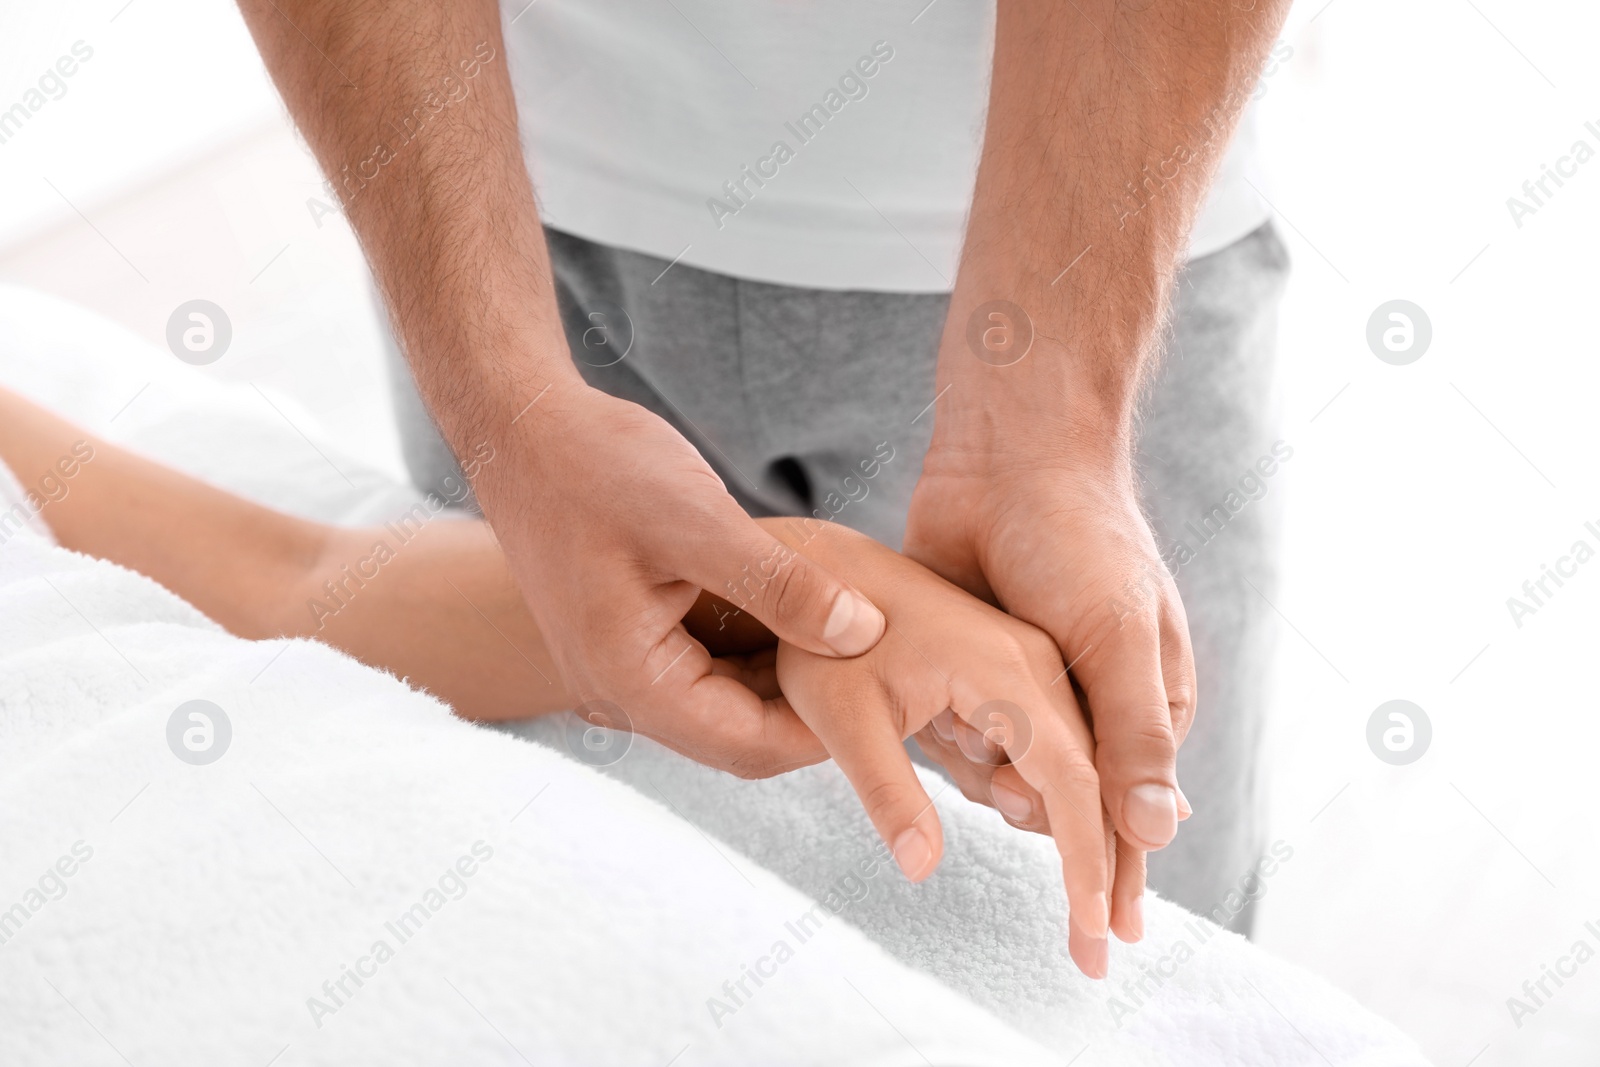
<point x="796" y="598"/>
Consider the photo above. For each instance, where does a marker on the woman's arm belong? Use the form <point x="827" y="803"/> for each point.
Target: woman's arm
<point x="427" y="598"/>
<point x="227" y="556"/>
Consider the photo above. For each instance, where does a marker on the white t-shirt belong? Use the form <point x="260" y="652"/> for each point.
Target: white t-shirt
<point x="822" y="143"/>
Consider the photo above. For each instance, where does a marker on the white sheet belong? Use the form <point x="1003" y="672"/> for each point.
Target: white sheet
<point x="605" y="925"/>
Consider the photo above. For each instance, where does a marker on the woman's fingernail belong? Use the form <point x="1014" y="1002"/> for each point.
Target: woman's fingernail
<point x="914" y="854"/>
<point x="1184" y="810"/>
<point x="944" y="724"/>
<point x="853" y="625"/>
<point x="1151" y="812"/>
<point x="1136" y="917"/>
<point x="1013" y="805"/>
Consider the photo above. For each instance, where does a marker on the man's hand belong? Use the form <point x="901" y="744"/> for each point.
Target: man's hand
<point x="1073" y="556"/>
<point x="612" y="524"/>
<point x="609" y="518"/>
<point x="1106" y="122"/>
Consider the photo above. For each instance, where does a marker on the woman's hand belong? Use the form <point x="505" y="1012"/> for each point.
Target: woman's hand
<point x="954" y="663"/>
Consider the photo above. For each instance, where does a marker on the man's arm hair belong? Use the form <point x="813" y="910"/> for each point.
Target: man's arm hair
<point x="409" y="109"/>
<point x="1107" y="121"/>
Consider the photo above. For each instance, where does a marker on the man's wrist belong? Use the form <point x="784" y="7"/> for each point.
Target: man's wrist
<point x="1057" y="312"/>
<point x="1048" y="361"/>
<point x="1053" y="407"/>
<point x="482" y="380"/>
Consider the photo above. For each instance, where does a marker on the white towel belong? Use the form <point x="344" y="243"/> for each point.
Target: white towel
<point x="21" y="509"/>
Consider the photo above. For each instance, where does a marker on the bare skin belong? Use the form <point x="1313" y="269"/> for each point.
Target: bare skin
<point x="435" y="603"/>
<point x="611" y="523"/>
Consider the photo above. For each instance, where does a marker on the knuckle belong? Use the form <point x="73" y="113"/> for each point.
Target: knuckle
<point x="1035" y="646"/>
<point x="755" y="752"/>
<point x="1117" y="623"/>
<point x="1008" y="652"/>
<point x="884" y="797"/>
<point x="1181" y="701"/>
<point x="707" y="513"/>
<point x="753" y="766"/>
<point x="790" y="595"/>
<point x="1060" y="767"/>
<point x="1146" y="739"/>
<point x="1077" y="767"/>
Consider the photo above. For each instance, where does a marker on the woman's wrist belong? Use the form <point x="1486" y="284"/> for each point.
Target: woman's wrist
<point x="852" y="555"/>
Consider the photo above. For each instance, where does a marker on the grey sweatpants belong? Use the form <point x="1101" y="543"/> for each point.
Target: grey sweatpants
<point x="818" y="402"/>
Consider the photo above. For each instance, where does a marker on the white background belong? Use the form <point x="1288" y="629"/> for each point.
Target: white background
<point x="1420" y="497"/>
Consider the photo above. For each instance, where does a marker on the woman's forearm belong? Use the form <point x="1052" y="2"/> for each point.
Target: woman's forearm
<point x="225" y="555"/>
<point x="425" y="596"/>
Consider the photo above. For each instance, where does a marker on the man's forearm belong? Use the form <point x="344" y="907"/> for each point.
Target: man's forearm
<point x="1106" y="123"/>
<point x="409" y="109"/>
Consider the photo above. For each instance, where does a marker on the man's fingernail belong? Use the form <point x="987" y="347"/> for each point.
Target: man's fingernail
<point x="853" y="625"/>
<point x="944" y="724"/>
<point x="1012" y="804"/>
<point x="1151" y="812"/>
<point x="1184" y="810"/>
<point x="914" y="854"/>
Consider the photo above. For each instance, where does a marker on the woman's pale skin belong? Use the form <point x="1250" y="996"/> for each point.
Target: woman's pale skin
<point x="443" y="612"/>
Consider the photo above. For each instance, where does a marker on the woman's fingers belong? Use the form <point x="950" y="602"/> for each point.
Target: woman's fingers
<point x="1018" y="801"/>
<point x="977" y="747"/>
<point x="998" y="786"/>
<point x="1127" y="891"/>
<point x="883" y="777"/>
<point x="1058" y="762"/>
<point x="858" y="729"/>
<point x="970" y="778"/>
<point x="1014" y="705"/>
<point x="1024" y="807"/>
<point x="1081" y="844"/>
